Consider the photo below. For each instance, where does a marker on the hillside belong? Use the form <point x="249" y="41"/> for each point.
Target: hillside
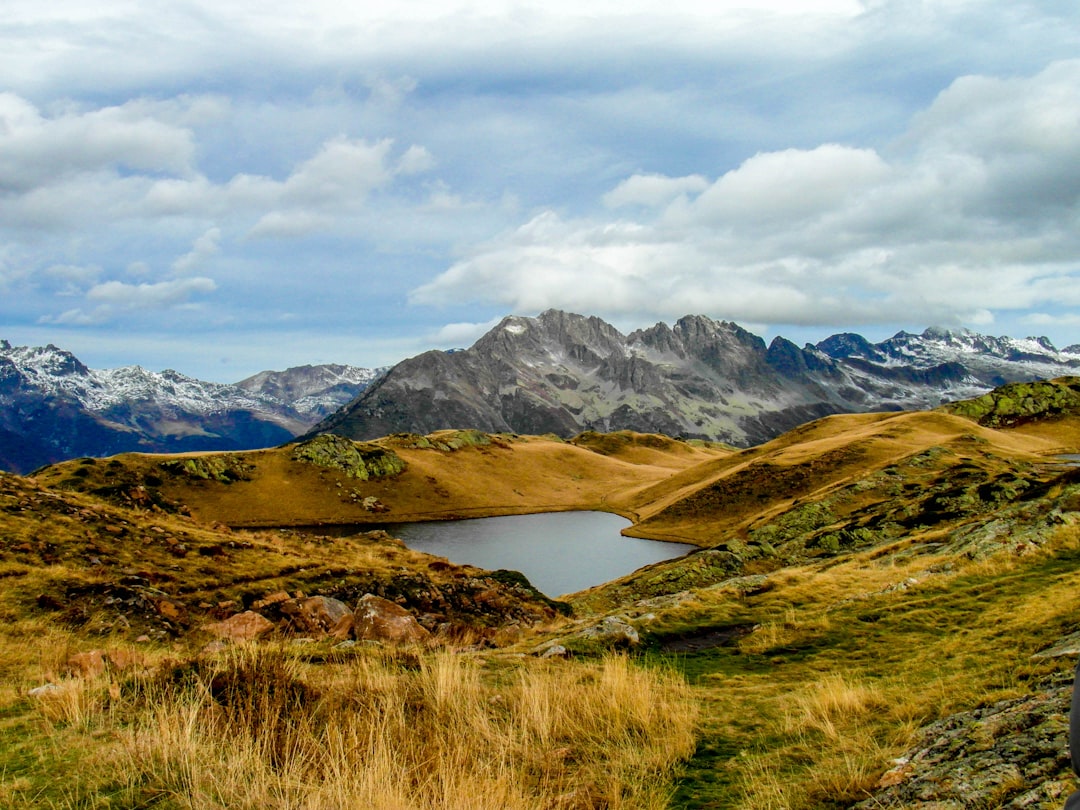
<point x="883" y="611"/>
<point x="328" y="480"/>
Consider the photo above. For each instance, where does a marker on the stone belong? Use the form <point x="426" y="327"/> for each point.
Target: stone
<point x="245" y="626"/>
<point x="275" y="598"/>
<point x="378" y="619"/>
<point x="612" y="631"/>
<point x="318" y="615"/>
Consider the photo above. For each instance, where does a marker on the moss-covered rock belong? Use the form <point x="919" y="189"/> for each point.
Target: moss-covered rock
<point x="357" y="460"/>
<point x="448" y="441"/>
<point x="1019" y="403"/>
<point x="223" y="468"/>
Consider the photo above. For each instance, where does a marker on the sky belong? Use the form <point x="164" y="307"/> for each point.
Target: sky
<point x="226" y="187"/>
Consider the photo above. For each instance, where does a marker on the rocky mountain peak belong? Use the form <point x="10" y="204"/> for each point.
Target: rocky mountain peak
<point x="848" y="344"/>
<point x="562" y="373"/>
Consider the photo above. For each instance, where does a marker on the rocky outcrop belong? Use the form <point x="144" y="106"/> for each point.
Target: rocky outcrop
<point x="1012" y="754"/>
<point x="360" y="461"/>
<point x="1020" y="403"/>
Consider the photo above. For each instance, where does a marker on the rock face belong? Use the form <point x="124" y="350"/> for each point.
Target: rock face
<point x="563" y="373"/>
<point x="52" y="407"/>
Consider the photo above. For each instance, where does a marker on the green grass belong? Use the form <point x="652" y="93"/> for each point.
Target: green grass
<point x="952" y="643"/>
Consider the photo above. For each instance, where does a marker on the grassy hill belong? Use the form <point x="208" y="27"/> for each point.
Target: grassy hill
<point x="398" y="479"/>
<point x="885" y="608"/>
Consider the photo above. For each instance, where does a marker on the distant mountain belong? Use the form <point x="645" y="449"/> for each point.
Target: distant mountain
<point x="556" y="373"/>
<point x="563" y="373"/>
<point x="53" y="407"/>
<point x="314" y="392"/>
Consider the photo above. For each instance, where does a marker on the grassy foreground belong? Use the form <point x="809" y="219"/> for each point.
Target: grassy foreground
<point x="272" y="726"/>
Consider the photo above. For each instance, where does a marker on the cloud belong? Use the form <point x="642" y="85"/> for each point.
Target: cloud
<point x="134" y="165"/>
<point x="149" y="296"/>
<point x="110" y="298"/>
<point x="973" y="211"/>
<point x="205" y="247"/>
<point x="653" y="190"/>
<point x="457" y="335"/>
<point x="38" y="151"/>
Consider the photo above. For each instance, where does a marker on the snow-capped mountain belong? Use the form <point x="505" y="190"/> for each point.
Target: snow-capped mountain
<point x="563" y="373"/>
<point x="988" y="360"/>
<point x="556" y="373"/>
<point x="315" y="392"/>
<point x="52" y="407"/>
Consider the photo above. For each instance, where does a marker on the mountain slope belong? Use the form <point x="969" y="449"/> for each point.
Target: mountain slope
<point x="564" y="373"/>
<point x="314" y="392"/>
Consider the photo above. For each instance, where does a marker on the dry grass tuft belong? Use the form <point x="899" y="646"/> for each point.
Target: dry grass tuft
<point x="258" y="727"/>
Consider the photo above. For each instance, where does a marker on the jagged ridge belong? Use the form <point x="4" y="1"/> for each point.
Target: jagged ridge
<point x="564" y="373"/>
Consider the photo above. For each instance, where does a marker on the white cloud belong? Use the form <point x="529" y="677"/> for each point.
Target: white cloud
<point x="461" y="335"/>
<point x="149" y="296"/>
<point x="653" y="190"/>
<point x="36" y="150"/>
<point x="110" y="298"/>
<point x="928" y="232"/>
<point x="205" y="247"/>
<point x="416" y="160"/>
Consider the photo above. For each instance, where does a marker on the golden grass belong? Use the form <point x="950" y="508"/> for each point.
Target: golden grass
<point x="258" y="727"/>
<point x="525" y="474"/>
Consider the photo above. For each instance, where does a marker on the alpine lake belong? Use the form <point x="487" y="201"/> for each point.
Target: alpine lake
<point x="559" y="552"/>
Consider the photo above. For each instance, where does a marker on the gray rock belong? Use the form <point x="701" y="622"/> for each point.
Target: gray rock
<point x="44" y="690"/>
<point x="1013" y="754"/>
<point x="612" y="631"/>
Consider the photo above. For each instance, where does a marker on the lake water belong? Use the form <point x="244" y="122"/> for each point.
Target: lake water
<point x="560" y="552"/>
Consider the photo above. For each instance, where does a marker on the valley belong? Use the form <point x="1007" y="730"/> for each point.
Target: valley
<point x="881" y="612"/>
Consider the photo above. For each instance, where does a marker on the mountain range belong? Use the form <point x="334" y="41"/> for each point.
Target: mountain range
<point x="563" y="373"/>
<point x="557" y="373"/>
<point x="53" y="407"/>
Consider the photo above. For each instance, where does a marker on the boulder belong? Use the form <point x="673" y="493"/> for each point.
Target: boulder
<point x="612" y="631"/>
<point x="318" y="615"/>
<point x="378" y="619"/>
<point x="244" y="626"/>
